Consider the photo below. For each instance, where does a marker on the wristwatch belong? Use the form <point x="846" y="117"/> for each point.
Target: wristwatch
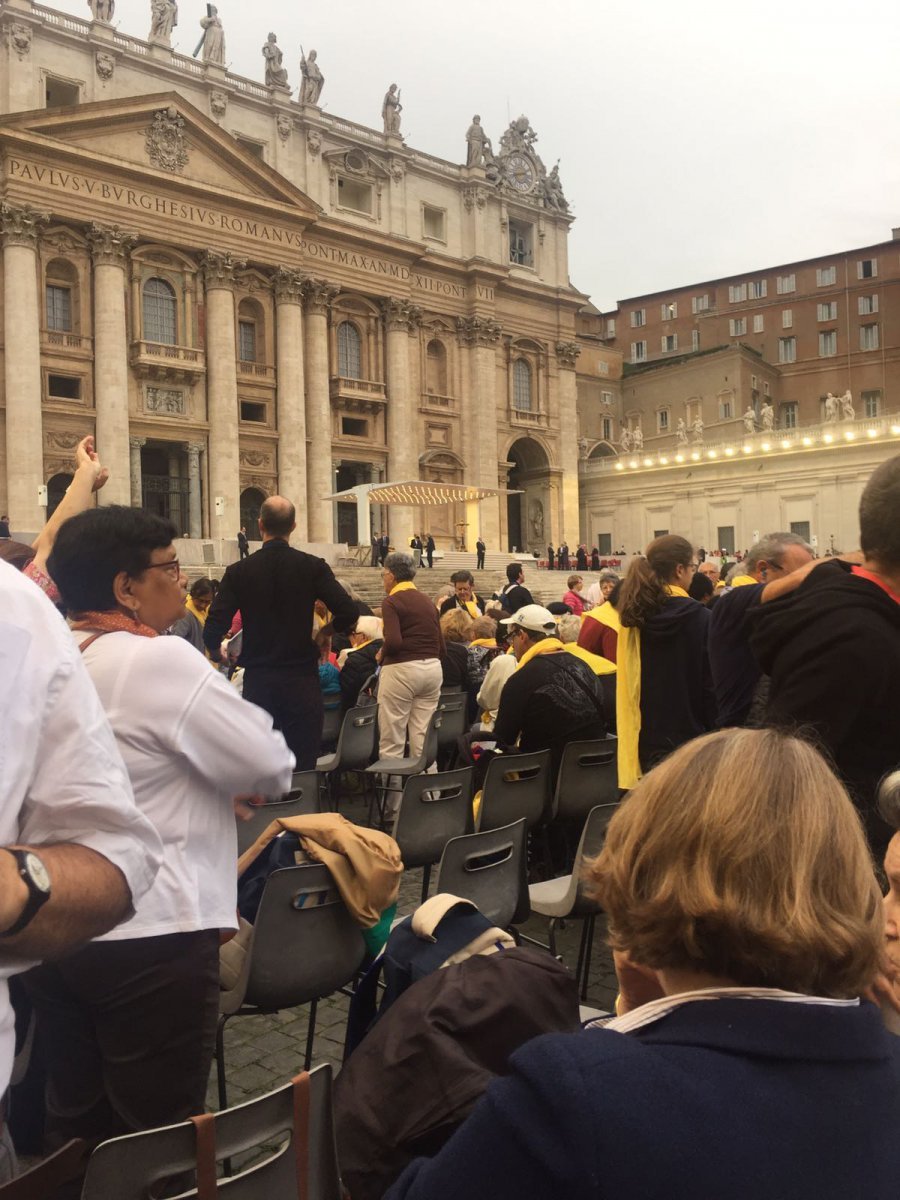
<point x="32" y="870"/>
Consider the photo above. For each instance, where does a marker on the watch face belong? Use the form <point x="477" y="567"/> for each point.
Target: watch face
<point x="520" y="172"/>
<point x="38" y="872"/>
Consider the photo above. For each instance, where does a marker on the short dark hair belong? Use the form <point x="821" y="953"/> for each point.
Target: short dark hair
<point x="277" y="518"/>
<point x="94" y="546"/>
<point x="879" y="528"/>
<point x="701" y="587"/>
<point x="200" y="588"/>
<point x="462" y="577"/>
<point x="513" y="571"/>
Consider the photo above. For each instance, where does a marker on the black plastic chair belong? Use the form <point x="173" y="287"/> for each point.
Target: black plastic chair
<point x="433" y="809"/>
<point x="453" y="707"/>
<point x="588" y="776"/>
<point x="566" y="897"/>
<point x="515" y="785"/>
<point x="332" y="719"/>
<point x="303" y="798"/>
<point x="383" y="770"/>
<point x="130" y="1167"/>
<point x="305" y="945"/>
<point x="355" y="746"/>
<point x="488" y="868"/>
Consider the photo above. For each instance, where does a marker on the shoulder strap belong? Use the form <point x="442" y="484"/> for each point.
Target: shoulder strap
<point x="90" y="640"/>
<point x="205" y="1133"/>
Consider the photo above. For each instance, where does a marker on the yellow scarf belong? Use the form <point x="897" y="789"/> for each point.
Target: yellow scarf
<point x="628" y="698"/>
<point x="200" y="613"/>
<point x="472" y="608"/>
<point x="402" y="587"/>
<point x="743" y="581"/>
<point x="606" y="615"/>
<point x="549" y="645"/>
<point x="490" y="643"/>
<point x="598" y="664"/>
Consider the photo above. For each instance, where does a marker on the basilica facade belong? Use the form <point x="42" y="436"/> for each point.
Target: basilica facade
<point x="239" y="293"/>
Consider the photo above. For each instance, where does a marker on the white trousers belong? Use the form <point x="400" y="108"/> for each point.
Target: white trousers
<point x="408" y="694"/>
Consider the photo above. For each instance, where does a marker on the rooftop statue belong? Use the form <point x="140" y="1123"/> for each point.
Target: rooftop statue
<point x="313" y="79"/>
<point x="276" y="75"/>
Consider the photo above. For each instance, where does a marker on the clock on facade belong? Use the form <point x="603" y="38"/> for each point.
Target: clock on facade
<point x="520" y="172"/>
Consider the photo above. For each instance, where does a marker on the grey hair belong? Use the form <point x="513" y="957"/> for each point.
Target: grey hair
<point x="609" y="577"/>
<point x="568" y="627"/>
<point x="401" y="566"/>
<point x="348" y="587"/>
<point x="771" y="548"/>
<point x="888" y="799"/>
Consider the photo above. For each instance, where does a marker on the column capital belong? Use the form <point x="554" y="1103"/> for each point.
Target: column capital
<point x="401" y="314"/>
<point x="478" y="331"/>
<point x="219" y="269"/>
<point x="196" y="447"/>
<point x="318" y="294"/>
<point x="20" y="226"/>
<point x="567" y="354"/>
<point x="288" y="285"/>
<point x="137" y="443"/>
<point x="110" y="243"/>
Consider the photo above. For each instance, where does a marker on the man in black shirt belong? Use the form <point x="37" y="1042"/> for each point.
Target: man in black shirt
<point x="276" y="590"/>
<point x="480" y="549"/>
<point x="515" y="595"/>
<point x="243" y="544"/>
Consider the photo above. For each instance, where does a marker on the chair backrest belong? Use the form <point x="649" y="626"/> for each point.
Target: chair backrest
<point x="127" y="1168"/>
<point x="433" y="809"/>
<point x="453" y="707"/>
<point x="332" y="719"/>
<point x="588" y="776"/>
<point x="303" y="798"/>
<point x="433" y="737"/>
<point x="489" y="869"/>
<point x="516" y="785"/>
<point x="356" y="744"/>
<point x="589" y="846"/>
<point x="305" y="943"/>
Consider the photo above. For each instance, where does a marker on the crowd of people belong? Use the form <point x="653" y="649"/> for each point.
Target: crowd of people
<point x="753" y="710"/>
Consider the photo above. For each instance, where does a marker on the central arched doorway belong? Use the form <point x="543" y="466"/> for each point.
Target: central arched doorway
<point x="251" y="502"/>
<point x="528" y="505"/>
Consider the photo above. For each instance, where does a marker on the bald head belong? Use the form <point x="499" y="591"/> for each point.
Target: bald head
<point x="277" y="518"/>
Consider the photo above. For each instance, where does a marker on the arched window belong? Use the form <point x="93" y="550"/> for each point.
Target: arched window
<point x="56" y="489"/>
<point x="522" y="385"/>
<point x="160" y="312"/>
<point x="436" y="369"/>
<point x="349" y="347"/>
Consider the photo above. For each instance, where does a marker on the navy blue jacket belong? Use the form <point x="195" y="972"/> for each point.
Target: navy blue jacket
<point x="720" y="1100"/>
<point x="735" y="671"/>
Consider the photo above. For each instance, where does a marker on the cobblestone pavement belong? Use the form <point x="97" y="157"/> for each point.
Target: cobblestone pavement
<point x="263" y="1052"/>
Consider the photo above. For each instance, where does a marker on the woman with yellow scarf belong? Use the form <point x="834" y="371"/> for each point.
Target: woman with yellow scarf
<point x="664" y="694"/>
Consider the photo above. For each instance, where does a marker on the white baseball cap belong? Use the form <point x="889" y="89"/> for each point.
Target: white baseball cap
<point x="533" y="617"/>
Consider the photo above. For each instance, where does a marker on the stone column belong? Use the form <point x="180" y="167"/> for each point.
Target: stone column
<point x="135" y="446"/>
<point x="566" y="357"/>
<point x="109" y="249"/>
<point x="221" y="394"/>
<point x="481" y="335"/>
<point x="195" y="509"/>
<point x="402" y="424"/>
<point x="22" y="369"/>
<point x="318" y="294"/>
<point x="291" y="410"/>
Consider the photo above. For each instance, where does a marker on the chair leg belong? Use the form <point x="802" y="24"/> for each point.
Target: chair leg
<point x="426" y="880"/>
<point x="582" y="947"/>
<point x="589" y="945"/>
<point x="220" y="1063"/>
<point x="310" y="1034"/>
<point x="551" y="936"/>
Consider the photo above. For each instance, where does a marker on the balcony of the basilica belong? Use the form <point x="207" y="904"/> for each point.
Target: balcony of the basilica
<point x="256" y="372"/>
<point x="162" y="362"/>
<point x="357" y="395"/>
<point x="432" y="402"/>
<point x="56" y="340"/>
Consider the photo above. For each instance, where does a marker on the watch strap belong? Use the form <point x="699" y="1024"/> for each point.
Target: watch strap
<point x="36" y="896"/>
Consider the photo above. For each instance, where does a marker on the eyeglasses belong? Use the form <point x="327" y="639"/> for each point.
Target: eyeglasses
<point x="172" y="568"/>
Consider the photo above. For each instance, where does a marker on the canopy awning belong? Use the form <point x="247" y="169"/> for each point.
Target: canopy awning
<point x="422" y="492"/>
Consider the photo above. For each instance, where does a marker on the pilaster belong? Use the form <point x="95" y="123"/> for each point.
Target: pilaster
<point x="318" y="295"/>
<point x="221" y="393"/>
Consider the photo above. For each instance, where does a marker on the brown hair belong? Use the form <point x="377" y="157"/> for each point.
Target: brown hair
<point x="17" y="554"/>
<point x="572" y="580"/>
<point x="483" y="627"/>
<point x="763" y="878"/>
<point x="456" y="626"/>
<point x="643" y="591"/>
<point x="879" y="529"/>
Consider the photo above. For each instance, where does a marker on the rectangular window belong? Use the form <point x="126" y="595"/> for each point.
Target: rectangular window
<point x="867" y="268"/>
<point x="872" y="403"/>
<point x="785" y="284"/>
<point x="604" y="544"/>
<point x="61" y="93"/>
<point x="638" y="318"/>
<point x="867" y="305"/>
<point x="606" y="429"/>
<point x="827" y="343"/>
<point x="725" y="410"/>
<point x="521" y="244"/>
<point x="737" y="326"/>
<point x="433" y="223"/>
<point x="354" y="195"/>
<point x="758" y="289"/>
<point x="737" y="292"/>
<point x="868" y="337"/>
<point x="669" y="342"/>
<point x="827" y="312"/>
<point x="257" y="149"/>
<point x="826" y="276"/>
<point x="603" y="367"/>
<point x="699" y="304"/>
<point x="758" y="323"/>
<point x="789" y="415"/>
<point x="787" y="318"/>
<point x="725" y="538"/>
<point x="354" y="427"/>
<point x="606" y="398"/>
<point x="801" y="529"/>
<point x="251" y="411"/>
<point x="662" y="421"/>
<point x="787" y="350"/>
<point x="610" y="327"/>
<point x="638" y="351"/>
<point x="660" y="533"/>
<point x="247" y="341"/>
<point x="59" y="308"/>
<point x="668" y="312"/>
<point x="64" y="387"/>
<point x="695" y="339"/>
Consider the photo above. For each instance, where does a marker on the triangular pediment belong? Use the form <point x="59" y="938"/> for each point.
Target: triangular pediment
<point x="163" y="135"/>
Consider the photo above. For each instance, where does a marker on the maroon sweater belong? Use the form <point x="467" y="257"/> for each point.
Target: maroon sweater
<point x="411" y="628"/>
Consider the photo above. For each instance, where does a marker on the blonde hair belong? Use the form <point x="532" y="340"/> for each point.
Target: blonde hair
<point x="483" y="627"/>
<point x="456" y="625"/>
<point x="763" y="878"/>
<point x="572" y="580"/>
<point x="568" y="627"/>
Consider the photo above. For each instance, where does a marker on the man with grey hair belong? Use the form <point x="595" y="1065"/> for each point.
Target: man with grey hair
<point x="771" y="569"/>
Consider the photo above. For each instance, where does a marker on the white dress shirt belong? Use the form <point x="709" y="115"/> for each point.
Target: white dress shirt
<point x="62" y="778"/>
<point x="191" y="744"/>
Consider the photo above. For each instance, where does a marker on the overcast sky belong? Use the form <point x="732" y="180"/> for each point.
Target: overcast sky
<point x="697" y="138"/>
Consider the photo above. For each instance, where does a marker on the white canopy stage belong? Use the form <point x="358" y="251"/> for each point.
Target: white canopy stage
<point x="419" y="493"/>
